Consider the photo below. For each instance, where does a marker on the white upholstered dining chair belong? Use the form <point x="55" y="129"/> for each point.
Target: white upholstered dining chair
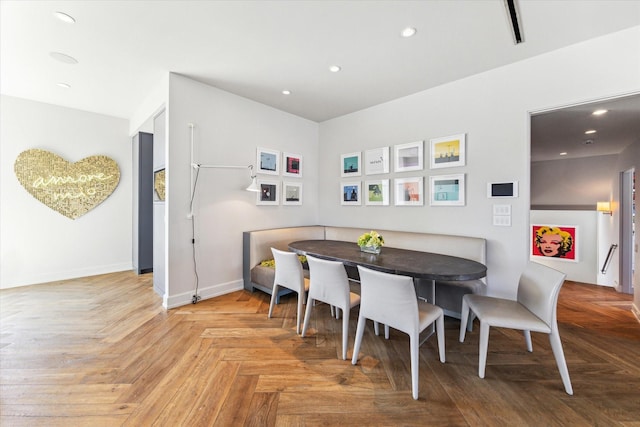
<point x="534" y="310"/>
<point x="329" y="283"/>
<point x="391" y="299"/>
<point x="289" y="275"/>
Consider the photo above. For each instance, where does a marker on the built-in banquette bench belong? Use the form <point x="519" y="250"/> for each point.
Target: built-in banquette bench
<point x="257" y="248"/>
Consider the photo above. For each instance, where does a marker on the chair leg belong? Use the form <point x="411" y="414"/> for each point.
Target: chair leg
<point x="359" y="333"/>
<point x="472" y="317"/>
<point x="440" y="332"/>
<point x="376" y="328"/>
<point x="345" y="332"/>
<point x="307" y="315"/>
<point x="558" y="353"/>
<point x="484" y="345"/>
<point x="414" y="342"/>
<point x="300" y="313"/>
<point x="333" y="313"/>
<point x="464" y="316"/>
<point x="274" y="297"/>
<point x="338" y="313"/>
<point x="527" y="339"/>
<point x="386" y="332"/>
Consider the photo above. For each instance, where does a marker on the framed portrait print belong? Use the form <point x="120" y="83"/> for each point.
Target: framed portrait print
<point x="376" y="161"/>
<point x="376" y="192"/>
<point x="447" y="190"/>
<point x="350" y="193"/>
<point x="269" y="193"/>
<point x="268" y="161"/>
<point x="291" y="193"/>
<point x="409" y="191"/>
<point x="350" y="164"/>
<point x="408" y="157"/>
<point x="554" y="242"/>
<point x="292" y="165"/>
<point x="448" y="151"/>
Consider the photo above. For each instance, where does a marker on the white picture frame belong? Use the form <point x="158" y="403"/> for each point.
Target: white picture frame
<point x="376" y="192"/>
<point x="350" y="194"/>
<point x="409" y="191"/>
<point x="292" y="165"/>
<point x="269" y="192"/>
<point x="448" y="151"/>
<point x="268" y="161"/>
<point x="351" y="164"/>
<point x="447" y="190"/>
<point x="408" y="157"/>
<point x="376" y="161"/>
<point x="292" y="193"/>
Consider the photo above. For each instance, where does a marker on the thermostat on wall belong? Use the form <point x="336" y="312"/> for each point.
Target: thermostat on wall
<point x="502" y="189"/>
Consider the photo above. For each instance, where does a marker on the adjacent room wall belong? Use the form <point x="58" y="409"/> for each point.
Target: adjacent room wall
<point x="38" y="243"/>
<point x="493" y="109"/>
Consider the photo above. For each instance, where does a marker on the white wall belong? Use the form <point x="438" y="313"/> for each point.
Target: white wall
<point x="227" y="131"/>
<point x="493" y="109"/>
<point x="38" y="243"/>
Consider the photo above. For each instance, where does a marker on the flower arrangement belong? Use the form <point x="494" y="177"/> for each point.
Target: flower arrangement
<point x="371" y="240"/>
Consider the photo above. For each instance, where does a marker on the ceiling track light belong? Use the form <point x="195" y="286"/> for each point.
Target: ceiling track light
<point x="512" y="11"/>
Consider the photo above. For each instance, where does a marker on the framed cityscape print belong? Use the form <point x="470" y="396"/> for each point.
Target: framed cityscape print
<point x="376" y="161"/>
<point x="292" y="165"/>
<point x="447" y="190"/>
<point x="350" y="193"/>
<point x="291" y="193"/>
<point x="554" y="242"/>
<point x="268" y="161"/>
<point x="448" y="151"/>
<point x="376" y="192"/>
<point x="409" y="157"/>
<point x="269" y="193"/>
<point x="409" y="191"/>
<point x="350" y="164"/>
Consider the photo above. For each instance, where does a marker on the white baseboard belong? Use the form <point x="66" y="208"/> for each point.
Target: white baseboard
<point x="46" y="277"/>
<point x="636" y="311"/>
<point x="185" y="298"/>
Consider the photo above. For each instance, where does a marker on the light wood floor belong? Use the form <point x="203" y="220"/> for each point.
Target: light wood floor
<point x="101" y="351"/>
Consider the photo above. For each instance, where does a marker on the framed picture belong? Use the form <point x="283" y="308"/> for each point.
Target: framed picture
<point x="269" y="193"/>
<point x="268" y="161"/>
<point x="350" y="164"/>
<point x="448" y="151"/>
<point x="292" y="165"/>
<point x="376" y="161"/>
<point x="159" y="187"/>
<point x="376" y="192"/>
<point x="291" y="193"/>
<point x="409" y="157"/>
<point x="554" y="242"/>
<point x="447" y="190"/>
<point x="409" y="191"/>
<point x="350" y="193"/>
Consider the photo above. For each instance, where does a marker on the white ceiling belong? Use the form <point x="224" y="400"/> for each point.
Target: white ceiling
<point x="256" y="49"/>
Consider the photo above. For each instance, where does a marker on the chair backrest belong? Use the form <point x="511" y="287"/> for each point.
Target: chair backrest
<point x="389" y="299"/>
<point x="538" y="291"/>
<point x="328" y="281"/>
<point x="288" y="270"/>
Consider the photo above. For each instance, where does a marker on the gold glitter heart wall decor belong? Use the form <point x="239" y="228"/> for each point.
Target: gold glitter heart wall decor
<point x="72" y="189"/>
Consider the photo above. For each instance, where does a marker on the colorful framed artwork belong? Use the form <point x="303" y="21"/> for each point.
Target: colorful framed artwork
<point x="409" y="157"/>
<point x="447" y="190"/>
<point x="448" y="151"/>
<point x="350" y="164"/>
<point x="350" y="193"/>
<point x="291" y="193"/>
<point x="376" y="192"/>
<point x="376" y="161"/>
<point x="554" y="242"/>
<point x="268" y="161"/>
<point x="292" y="165"/>
<point x="409" y="191"/>
<point x="269" y="193"/>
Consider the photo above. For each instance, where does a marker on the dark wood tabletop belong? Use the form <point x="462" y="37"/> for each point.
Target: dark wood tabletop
<point x="417" y="264"/>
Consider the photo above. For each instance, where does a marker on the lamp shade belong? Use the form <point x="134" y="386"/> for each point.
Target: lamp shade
<point x="253" y="186"/>
<point x="604" y="207"/>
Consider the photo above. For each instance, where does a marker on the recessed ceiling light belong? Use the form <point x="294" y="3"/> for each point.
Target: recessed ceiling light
<point x="64" y="85"/>
<point x="590" y="131"/>
<point x="286" y="92"/>
<point x="408" y="32"/>
<point x="334" y="68"/>
<point x="64" y="17"/>
<point x="63" y="58"/>
<point x="599" y="112"/>
<point x="564" y="153"/>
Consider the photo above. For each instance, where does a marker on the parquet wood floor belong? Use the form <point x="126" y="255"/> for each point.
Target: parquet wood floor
<point x="101" y="351"/>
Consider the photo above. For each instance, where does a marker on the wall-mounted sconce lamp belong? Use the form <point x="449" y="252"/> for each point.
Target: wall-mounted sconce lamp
<point x="252" y="187"/>
<point x="604" y="207"/>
